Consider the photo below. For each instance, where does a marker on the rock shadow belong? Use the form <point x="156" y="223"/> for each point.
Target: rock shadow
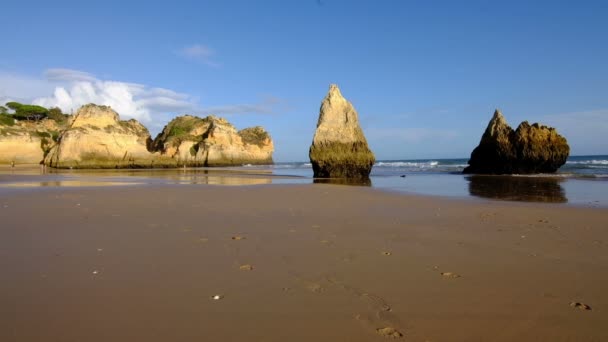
<point x="344" y="181"/>
<point x="518" y="188"/>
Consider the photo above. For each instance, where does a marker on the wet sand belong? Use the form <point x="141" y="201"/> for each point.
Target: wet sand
<point x="296" y="263"/>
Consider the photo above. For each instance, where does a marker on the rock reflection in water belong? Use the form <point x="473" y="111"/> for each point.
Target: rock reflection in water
<point x="78" y="183"/>
<point x="344" y="181"/>
<point x="518" y="188"/>
<point x="221" y="180"/>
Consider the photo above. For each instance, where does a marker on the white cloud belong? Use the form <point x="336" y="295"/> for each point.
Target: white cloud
<point x="200" y="53"/>
<point x="130" y="100"/>
<point x="68" y="75"/>
<point x="69" y="89"/>
<point x="16" y="87"/>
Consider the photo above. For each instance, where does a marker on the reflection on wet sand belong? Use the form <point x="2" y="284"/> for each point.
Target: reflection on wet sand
<point x="518" y="188"/>
<point x="75" y="183"/>
<point x="344" y="181"/>
<point x="221" y="180"/>
<point x="33" y="177"/>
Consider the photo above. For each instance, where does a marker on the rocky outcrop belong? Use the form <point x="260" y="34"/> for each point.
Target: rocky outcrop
<point x="527" y="150"/>
<point x="212" y="141"/>
<point x="97" y="138"/>
<point x="26" y="142"/>
<point x="339" y="148"/>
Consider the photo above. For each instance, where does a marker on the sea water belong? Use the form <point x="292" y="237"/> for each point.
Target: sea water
<point x="582" y="180"/>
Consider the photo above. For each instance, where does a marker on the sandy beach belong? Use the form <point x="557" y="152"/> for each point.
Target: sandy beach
<point x="296" y="263"/>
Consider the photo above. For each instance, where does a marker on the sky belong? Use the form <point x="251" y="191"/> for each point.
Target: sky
<point x="424" y="76"/>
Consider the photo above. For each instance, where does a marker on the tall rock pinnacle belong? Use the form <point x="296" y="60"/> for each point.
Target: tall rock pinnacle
<point x="339" y="148"/>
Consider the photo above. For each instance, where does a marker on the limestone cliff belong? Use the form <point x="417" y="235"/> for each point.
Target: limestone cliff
<point x="528" y="149"/>
<point x="339" y="148"/>
<point x="97" y="138"/>
<point x="213" y="141"/>
<point x="26" y="142"/>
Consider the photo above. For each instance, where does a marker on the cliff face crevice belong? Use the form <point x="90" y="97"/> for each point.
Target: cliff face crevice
<point x="339" y="148"/>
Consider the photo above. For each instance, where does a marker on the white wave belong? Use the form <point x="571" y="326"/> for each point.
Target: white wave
<point x="589" y="162"/>
<point x="408" y="164"/>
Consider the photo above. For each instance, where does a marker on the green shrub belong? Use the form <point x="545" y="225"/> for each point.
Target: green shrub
<point x="7" y="120"/>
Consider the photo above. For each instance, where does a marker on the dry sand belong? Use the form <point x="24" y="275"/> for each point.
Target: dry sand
<point x="296" y="263"/>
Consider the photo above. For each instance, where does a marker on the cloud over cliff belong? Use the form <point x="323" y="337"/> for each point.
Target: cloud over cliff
<point x="69" y="89"/>
<point x="76" y="88"/>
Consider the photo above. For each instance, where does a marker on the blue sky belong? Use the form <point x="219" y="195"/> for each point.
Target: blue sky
<point x="425" y="76"/>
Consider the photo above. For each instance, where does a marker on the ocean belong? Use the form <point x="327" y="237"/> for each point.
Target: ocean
<point x="583" y="180"/>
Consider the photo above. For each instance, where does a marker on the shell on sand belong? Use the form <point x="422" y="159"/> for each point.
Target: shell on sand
<point x="581" y="306"/>
<point x="246" y="267"/>
<point x="450" y="275"/>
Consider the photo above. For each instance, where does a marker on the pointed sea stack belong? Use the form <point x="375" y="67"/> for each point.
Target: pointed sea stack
<point x="339" y="148"/>
<point x="527" y="150"/>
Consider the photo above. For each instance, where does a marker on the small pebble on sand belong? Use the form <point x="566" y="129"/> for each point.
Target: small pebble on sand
<point x="389" y="332"/>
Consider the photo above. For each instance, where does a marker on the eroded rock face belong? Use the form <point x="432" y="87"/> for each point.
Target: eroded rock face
<point x="97" y="138"/>
<point x="26" y="142"/>
<point x="529" y="149"/>
<point x="339" y="148"/>
<point x="212" y="141"/>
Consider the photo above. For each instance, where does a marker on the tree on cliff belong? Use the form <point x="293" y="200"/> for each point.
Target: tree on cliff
<point x="27" y="112"/>
<point x="56" y="114"/>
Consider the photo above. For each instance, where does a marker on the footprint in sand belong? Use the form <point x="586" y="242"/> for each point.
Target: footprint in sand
<point x="450" y="275"/>
<point x="386" y="253"/>
<point x="381" y="326"/>
<point x="580" y="306"/>
<point x="389" y="332"/>
<point x="238" y="237"/>
<point x="378" y="316"/>
<point x="376" y="303"/>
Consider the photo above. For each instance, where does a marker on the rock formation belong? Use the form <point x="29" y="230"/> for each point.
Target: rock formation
<point x="96" y="138"/>
<point x="528" y="149"/>
<point x="213" y="141"/>
<point x="26" y="142"/>
<point x="339" y="148"/>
